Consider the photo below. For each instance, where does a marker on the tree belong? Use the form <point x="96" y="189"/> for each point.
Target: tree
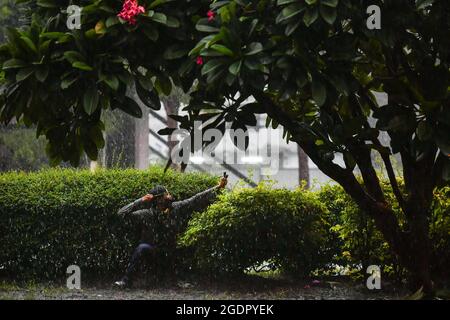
<point x="312" y="66"/>
<point x="303" y="167"/>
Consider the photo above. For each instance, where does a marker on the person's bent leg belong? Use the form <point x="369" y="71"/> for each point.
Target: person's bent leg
<point x="136" y="259"/>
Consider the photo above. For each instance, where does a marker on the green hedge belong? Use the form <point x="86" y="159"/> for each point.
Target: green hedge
<point x="55" y="218"/>
<point x="252" y="227"/>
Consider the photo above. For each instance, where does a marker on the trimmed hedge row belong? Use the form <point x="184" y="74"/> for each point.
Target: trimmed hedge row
<point x="55" y="218"/>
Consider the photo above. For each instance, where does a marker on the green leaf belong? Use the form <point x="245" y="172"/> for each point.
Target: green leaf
<point x="151" y="33"/>
<point x="319" y="92"/>
<point x="29" y="43"/>
<point x="175" y="52"/>
<point x="330" y="3"/>
<point x="158" y="17"/>
<point x="90" y="100"/>
<point x="110" y="80"/>
<point x="290" y="12"/>
<point x="53" y="35"/>
<point x="96" y="135"/>
<point x="73" y="56"/>
<point x="148" y="97"/>
<point x="111" y="21"/>
<point x="100" y="27"/>
<point x="172" y="22"/>
<point x="13" y="64"/>
<point x="328" y="14"/>
<point x="283" y="2"/>
<point x="290" y="28"/>
<point x="47" y="3"/>
<point x="254" y="48"/>
<point x="222" y="49"/>
<point x="319" y="142"/>
<point x="212" y="65"/>
<point x="131" y="107"/>
<point x="42" y="73"/>
<point x="91" y="34"/>
<point x="66" y="83"/>
<point x="203" y="25"/>
<point x="235" y="68"/>
<point x="24" y="73"/>
<point x="82" y="66"/>
<point x="310" y="16"/>
<point x="125" y="77"/>
<point x="145" y="81"/>
<point x="163" y="84"/>
<point x="156" y="3"/>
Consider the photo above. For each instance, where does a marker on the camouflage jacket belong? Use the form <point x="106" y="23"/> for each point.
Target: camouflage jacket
<point x="157" y="225"/>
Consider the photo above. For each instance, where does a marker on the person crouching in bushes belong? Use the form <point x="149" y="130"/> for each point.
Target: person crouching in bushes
<point x="149" y="209"/>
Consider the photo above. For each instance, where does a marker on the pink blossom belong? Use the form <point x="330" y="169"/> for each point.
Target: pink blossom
<point x="199" y="61"/>
<point x="211" y="15"/>
<point x="130" y="10"/>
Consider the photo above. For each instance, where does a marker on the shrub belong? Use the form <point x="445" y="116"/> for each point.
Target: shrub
<point x="361" y="244"/>
<point x="250" y="227"/>
<point x="358" y="240"/>
<point x="440" y="233"/>
<point x="55" y="218"/>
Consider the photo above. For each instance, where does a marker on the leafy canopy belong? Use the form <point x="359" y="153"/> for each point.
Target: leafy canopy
<point x="312" y="62"/>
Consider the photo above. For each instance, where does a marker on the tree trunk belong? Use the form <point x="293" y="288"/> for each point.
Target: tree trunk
<point x="419" y="251"/>
<point x="142" y="148"/>
<point x="303" y="168"/>
<point x="171" y="105"/>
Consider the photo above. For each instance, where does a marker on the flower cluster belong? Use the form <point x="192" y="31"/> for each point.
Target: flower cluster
<point x="211" y="15"/>
<point x="130" y="10"/>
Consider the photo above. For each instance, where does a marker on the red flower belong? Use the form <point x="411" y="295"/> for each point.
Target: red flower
<point x="199" y="61"/>
<point x="130" y="10"/>
<point x="211" y="15"/>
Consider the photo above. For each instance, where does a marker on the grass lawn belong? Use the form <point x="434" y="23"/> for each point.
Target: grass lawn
<point x="249" y="287"/>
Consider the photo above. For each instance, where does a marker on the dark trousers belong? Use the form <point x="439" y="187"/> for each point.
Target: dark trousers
<point x="141" y="251"/>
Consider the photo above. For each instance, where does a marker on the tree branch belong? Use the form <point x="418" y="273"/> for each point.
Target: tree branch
<point x="363" y="159"/>
<point x="391" y="174"/>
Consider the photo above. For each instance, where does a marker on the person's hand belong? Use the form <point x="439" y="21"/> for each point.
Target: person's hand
<point x="147" y="198"/>
<point x="223" y="182"/>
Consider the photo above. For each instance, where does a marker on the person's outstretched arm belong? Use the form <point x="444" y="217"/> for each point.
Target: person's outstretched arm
<point x="135" y="205"/>
<point x="198" y="202"/>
